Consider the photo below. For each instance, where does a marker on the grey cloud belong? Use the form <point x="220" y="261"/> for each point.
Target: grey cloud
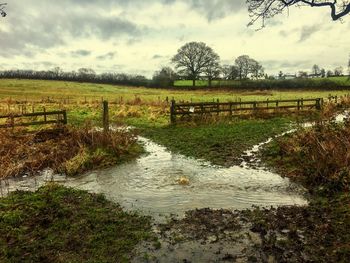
<point x="38" y="65"/>
<point x="291" y="66"/>
<point x="308" y="31"/>
<point x="132" y="41"/>
<point x="80" y="53"/>
<point x="156" y="56"/>
<point x="283" y="33"/>
<point x="39" y="25"/>
<point x="217" y="9"/>
<point x="109" y="55"/>
<point x="181" y="38"/>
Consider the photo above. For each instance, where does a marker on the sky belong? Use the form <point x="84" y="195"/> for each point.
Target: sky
<point x="141" y="36"/>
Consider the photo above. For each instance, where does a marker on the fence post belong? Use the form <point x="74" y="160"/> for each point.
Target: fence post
<point x="44" y="114"/>
<point x="298" y="105"/>
<point x="218" y="106"/>
<point x="64" y="117"/>
<point x="318" y="104"/>
<point x="172" y="112"/>
<point x="105" y="116"/>
<point x="302" y="103"/>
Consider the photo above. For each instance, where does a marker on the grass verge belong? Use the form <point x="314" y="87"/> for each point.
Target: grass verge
<point x="58" y="224"/>
<point x="317" y="157"/>
<point x="221" y="143"/>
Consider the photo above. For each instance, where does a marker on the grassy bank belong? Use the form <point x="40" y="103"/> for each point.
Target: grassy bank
<point x="318" y="158"/>
<point x="64" y="149"/>
<point x="57" y="224"/>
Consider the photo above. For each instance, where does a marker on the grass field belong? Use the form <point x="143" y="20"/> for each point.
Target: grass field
<point x="40" y="90"/>
<point x="339" y="81"/>
<point x="220" y="143"/>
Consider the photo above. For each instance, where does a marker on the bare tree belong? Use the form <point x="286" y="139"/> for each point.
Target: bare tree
<point x="229" y="72"/>
<point x="265" y="9"/>
<point x="302" y="74"/>
<point x="2" y="7"/>
<point x="316" y="70"/>
<point x="329" y="73"/>
<point x="193" y="59"/>
<point x="242" y="64"/>
<point x="256" y="69"/>
<point x="246" y="65"/>
<point x="212" y="71"/>
<point x="338" y="71"/>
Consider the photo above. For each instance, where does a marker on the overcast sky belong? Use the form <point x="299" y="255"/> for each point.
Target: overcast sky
<point x="140" y="36"/>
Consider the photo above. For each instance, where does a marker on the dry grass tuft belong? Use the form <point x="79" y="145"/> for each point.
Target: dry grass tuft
<point x="61" y="149"/>
<point x="321" y="155"/>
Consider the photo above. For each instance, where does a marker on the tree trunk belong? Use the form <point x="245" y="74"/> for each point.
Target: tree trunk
<point x="194" y="82"/>
<point x="209" y="82"/>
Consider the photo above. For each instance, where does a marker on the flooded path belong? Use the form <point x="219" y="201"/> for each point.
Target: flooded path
<point x="151" y="184"/>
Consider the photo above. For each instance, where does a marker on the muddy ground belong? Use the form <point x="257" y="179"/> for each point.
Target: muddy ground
<point x="204" y="235"/>
<point x="314" y="233"/>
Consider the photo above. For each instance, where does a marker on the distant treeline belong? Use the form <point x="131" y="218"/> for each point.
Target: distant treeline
<point x="82" y="75"/>
<point x="161" y="80"/>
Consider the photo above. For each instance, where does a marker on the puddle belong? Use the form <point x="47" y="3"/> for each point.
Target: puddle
<point x="151" y="184"/>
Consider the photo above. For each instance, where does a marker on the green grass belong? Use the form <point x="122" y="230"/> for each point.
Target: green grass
<point x="220" y="143"/>
<point x="40" y="89"/>
<point x="340" y="81"/>
<point x="58" y="224"/>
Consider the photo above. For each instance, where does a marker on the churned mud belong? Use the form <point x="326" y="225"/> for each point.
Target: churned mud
<point x="204" y="235"/>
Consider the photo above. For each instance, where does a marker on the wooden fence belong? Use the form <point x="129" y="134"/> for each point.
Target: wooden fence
<point x="241" y="107"/>
<point x="11" y="119"/>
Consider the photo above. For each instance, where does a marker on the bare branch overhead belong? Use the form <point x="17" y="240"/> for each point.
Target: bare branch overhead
<point x="260" y="10"/>
<point x="2" y="7"/>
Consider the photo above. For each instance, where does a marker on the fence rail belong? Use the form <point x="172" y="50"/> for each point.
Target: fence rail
<point x="189" y="109"/>
<point x="61" y="117"/>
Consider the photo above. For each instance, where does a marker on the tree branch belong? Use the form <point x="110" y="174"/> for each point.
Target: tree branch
<point x="264" y="9"/>
<point x="2" y="12"/>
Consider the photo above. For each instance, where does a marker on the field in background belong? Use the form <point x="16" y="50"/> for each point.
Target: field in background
<point x="334" y="81"/>
<point x="34" y="90"/>
<point x="130" y="105"/>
